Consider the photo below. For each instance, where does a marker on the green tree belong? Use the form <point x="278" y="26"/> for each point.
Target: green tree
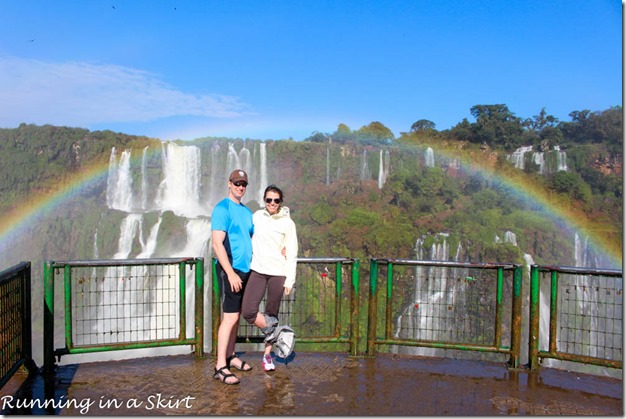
<point x="496" y="125"/>
<point x="422" y="125"/>
<point x="374" y="133"/>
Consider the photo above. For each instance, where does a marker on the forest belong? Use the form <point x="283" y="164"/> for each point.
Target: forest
<point x="339" y="213"/>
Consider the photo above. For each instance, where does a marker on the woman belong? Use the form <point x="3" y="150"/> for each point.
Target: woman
<point x="273" y="266"/>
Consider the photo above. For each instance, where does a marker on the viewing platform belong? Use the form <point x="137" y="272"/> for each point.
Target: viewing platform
<point x="320" y="384"/>
<point x="420" y="338"/>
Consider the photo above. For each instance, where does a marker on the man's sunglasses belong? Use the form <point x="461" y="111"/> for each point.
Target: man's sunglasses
<point x="244" y="184"/>
<point x="276" y="200"/>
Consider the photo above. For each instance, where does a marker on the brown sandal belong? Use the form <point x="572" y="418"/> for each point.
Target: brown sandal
<point x="222" y="376"/>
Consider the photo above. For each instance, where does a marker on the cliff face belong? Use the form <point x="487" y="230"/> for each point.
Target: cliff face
<point x="348" y="200"/>
<point x="609" y="165"/>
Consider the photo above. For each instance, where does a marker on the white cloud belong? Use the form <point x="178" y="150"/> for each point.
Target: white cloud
<point x="81" y="94"/>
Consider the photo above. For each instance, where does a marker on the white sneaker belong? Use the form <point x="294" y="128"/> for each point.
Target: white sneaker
<point x="268" y="363"/>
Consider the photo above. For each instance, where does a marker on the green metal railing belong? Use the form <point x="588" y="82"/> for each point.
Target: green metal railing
<point x="128" y="304"/>
<point x="322" y="308"/>
<point x="446" y="305"/>
<point x="582" y="317"/>
<point x="123" y="304"/>
<point x="15" y="321"/>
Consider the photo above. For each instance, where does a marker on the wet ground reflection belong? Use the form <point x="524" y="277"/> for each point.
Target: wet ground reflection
<point x="314" y="384"/>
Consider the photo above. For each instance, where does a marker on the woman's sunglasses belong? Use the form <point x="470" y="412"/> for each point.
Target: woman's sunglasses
<point x="276" y="200"/>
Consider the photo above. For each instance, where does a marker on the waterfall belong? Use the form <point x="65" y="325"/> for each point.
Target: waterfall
<point x="214" y="195"/>
<point x="583" y="256"/>
<point x="424" y="319"/>
<point x="430" y="157"/>
<point x="510" y="237"/>
<point x="144" y="180"/>
<point x="539" y="158"/>
<point x="198" y="234"/>
<point x="179" y="190"/>
<point x="130" y="228"/>
<point x="517" y="158"/>
<point x="459" y="249"/>
<point x="561" y="159"/>
<point x="198" y="238"/>
<point x="95" y="245"/>
<point x="245" y="161"/>
<point x="233" y="161"/>
<point x="383" y="168"/>
<point x="327" y="166"/>
<point x="150" y="245"/>
<point x="540" y="161"/>
<point x="263" y="172"/>
<point x="188" y="187"/>
<point x="120" y="182"/>
<point x="111" y="178"/>
<point x="365" y="171"/>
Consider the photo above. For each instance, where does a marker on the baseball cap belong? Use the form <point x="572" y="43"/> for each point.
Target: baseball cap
<point x="238" y="176"/>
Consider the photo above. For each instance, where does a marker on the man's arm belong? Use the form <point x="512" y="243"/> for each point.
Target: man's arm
<point x="217" y="237"/>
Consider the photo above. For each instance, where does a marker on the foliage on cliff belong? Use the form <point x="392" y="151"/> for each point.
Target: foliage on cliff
<point x="332" y="183"/>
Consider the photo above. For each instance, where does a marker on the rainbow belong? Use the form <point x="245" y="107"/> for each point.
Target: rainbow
<point x="14" y="221"/>
<point x="569" y="219"/>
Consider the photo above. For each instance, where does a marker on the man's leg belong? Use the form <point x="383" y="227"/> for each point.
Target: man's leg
<point x="225" y="341"/>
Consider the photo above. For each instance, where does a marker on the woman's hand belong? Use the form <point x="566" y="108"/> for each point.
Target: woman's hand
<point x="287" y="290"/>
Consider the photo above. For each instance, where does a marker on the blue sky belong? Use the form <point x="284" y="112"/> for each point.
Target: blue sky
<point x="183" y="69"/>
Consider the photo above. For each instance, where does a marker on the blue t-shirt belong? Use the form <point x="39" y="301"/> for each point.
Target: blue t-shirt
<point x="236" y="221"/>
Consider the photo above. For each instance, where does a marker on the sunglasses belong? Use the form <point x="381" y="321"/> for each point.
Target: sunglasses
<point x="276" y="200"/>
<point x="244" y="184"/>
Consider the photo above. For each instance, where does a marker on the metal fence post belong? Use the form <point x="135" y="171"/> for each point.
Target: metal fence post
<point x="338" y="281"/>
<point x="533" y="339"/>
<point x="215" y="308"/>
<point x="389" y="302"/>
<point x="48" y="318"/>
<point x="372" y="316"/>
<point x="516" y="318"/>
<point x="199" y="307"/>
<point x="355" y="322"/>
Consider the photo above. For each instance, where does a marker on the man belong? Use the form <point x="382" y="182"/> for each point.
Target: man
<point x="232" y="228"/>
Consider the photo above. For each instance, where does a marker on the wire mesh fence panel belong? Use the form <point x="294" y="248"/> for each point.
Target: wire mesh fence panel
<point x="11" y="312"/>
<point x="311" y="308"/>
<point x="590" y="309"/>
<point x="449" y="304"/>
<point x="124" y="304"/>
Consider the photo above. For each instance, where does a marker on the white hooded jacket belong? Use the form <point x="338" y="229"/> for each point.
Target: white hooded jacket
<point x="271" y="234"/>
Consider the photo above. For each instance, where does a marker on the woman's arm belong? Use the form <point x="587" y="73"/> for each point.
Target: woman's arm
<point x="291" y="254"/>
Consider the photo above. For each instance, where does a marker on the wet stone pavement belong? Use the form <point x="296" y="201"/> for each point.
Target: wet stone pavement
<point x="321" y="384"/>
